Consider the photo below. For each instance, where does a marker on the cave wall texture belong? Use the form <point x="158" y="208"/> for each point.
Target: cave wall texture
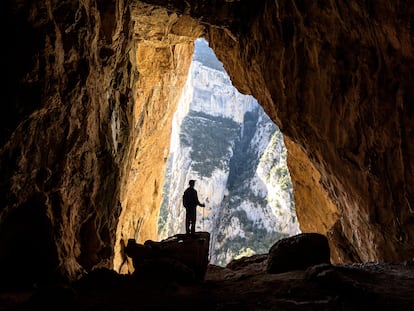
<point x="90" y="89"/>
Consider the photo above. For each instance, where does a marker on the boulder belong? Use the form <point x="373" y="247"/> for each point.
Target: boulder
<point x="298" y="253"/>
<point x="182" y="258"/>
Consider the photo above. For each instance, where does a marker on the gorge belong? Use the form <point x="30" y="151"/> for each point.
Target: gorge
<point x="236" y="154"/>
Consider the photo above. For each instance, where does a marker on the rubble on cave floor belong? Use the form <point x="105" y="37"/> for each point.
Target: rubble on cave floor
<point x="244" y="284"/>
<point x="249" y="287"/>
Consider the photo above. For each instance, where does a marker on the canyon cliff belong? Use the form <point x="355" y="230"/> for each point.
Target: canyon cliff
<point x="91" y="88"/>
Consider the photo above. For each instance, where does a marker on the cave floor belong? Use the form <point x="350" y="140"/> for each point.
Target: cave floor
<point x="324" y="287"/>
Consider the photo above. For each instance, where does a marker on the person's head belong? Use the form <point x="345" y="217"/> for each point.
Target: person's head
<point x="191" y="183"/>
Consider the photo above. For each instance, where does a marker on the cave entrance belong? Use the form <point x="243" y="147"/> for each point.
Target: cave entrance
<point x="224" y="140"/>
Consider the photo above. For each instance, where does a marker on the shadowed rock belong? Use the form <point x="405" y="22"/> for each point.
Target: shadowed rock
<point x="181" y="258"/>
<point x="298" y="253"/>
<point x="237" y="264"/>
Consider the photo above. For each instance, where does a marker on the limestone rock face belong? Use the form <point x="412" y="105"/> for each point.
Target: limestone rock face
<point x="336" y="79"/>
<point x="162" y="56"/>
<point x="61" y="147"/>
<point x="91" y="87"/>
<point x="88" y="108"/>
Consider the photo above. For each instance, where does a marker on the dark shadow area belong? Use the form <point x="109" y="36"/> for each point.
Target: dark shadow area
<point x="28" y="236"/>
<point x="183" y="258"/>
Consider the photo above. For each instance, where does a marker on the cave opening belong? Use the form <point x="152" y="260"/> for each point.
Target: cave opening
<point x="345" y="109"/>
<point x="226" y="142"/>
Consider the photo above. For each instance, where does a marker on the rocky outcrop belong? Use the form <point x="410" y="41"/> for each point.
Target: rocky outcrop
<point x="182" y="258"/>
<point x="298" y="252"/>
<point x="87" y="108"/>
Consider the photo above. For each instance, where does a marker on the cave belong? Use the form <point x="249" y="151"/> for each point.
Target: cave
<point x="89" y="93"/>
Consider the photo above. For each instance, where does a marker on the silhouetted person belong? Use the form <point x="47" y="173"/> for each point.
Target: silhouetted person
<point x="190" y="202"/>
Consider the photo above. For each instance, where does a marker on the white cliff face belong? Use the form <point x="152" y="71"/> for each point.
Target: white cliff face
<point x="212" y="90"/>
<point x="272" y="170"/>
<point x="224" y="141"/>
<point x="214" y="94"/>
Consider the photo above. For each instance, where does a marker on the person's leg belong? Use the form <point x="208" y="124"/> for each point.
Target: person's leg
<point x="187" y="222"/>
<point x="193" y="221"/>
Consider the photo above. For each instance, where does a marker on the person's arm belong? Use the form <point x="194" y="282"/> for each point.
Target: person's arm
<point x="201" y="204"/>
<point x="198" y="202"/>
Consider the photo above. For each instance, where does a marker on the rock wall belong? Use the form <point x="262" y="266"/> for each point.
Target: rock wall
<point x="82" y="117"/>
<point x="89" y="92"/>
<point x="162" y="55"/>
<point x="67" y="88"/>
<point x="335" y="77"/>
